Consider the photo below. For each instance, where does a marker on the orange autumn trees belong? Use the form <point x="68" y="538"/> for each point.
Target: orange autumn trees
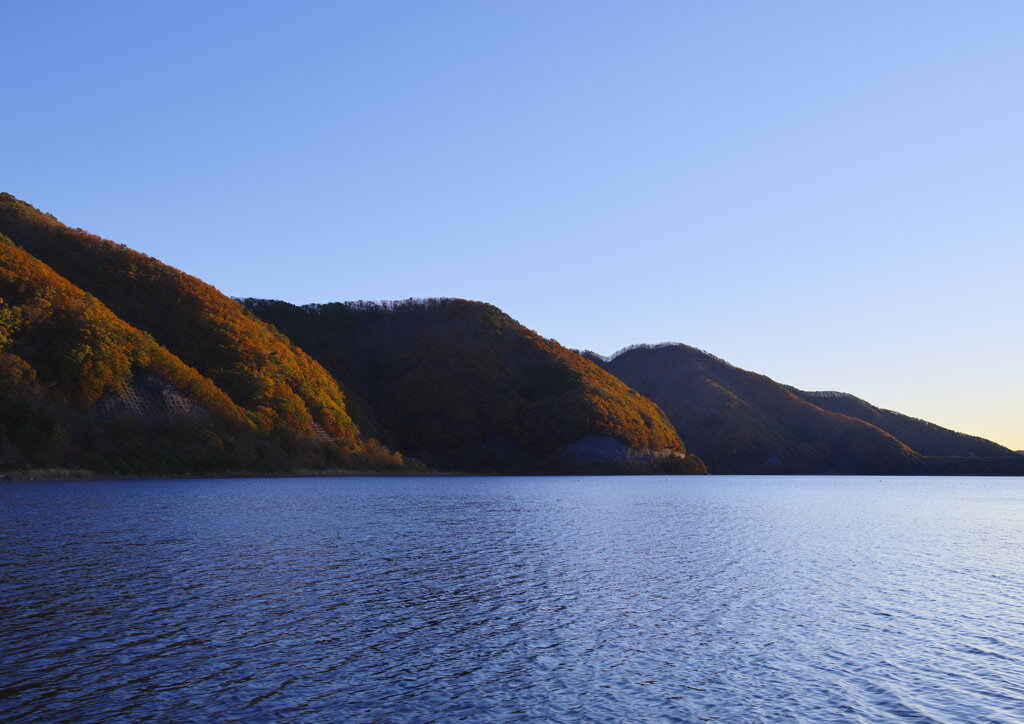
<point x="113" y="361"/>
<point x="87" y="315"/>
<point x="462" y="385"/>
<point x="260" y="370"/>
<point x="77" y="345"/>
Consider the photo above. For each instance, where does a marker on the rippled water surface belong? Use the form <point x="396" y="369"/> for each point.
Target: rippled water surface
<point x="513" y="599"/>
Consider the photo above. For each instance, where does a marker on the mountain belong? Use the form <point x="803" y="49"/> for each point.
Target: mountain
<point x="463" y="386"/>
<point x="924" y="437"/>
<point x="117" y="363"/>
<point x="742" y="422"/>
<point x="113" y="362"/>
<point x="92" y="331"/>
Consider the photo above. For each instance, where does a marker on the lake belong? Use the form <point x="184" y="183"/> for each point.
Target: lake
<point x="606" y="599"/>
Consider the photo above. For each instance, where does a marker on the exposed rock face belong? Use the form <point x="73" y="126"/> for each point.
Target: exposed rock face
<point x="598" y="447"/>
<point x="147" y="397"/>
<point x="606" y="448"/>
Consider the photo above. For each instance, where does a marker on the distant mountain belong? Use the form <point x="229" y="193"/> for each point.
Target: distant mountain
<point x="92" y="332"/>
<point x="923" y="437"/>
<point x="463" y="386"/>
<point x="742" y="422"/>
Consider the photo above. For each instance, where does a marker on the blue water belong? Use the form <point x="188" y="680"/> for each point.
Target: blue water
<point x="723" y="599"/>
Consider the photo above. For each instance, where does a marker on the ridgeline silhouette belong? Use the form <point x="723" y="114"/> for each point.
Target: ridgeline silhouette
<point x="742" y="422"/>
<point x="113" y="363"/>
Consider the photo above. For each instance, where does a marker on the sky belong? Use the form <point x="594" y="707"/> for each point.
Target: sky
<point x="829" y="193"/>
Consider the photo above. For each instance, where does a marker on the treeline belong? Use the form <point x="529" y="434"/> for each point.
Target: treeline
<point x="590" y="354"/>
<point x="363" y="305"/>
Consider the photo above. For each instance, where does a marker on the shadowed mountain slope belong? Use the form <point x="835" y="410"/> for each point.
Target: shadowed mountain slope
<point x="742" y="422"/>
<point x="924" y="437"/>
<point x="461" y="385"/>
<point x="102" y="330"/>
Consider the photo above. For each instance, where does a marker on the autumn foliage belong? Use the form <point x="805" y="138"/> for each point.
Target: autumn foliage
<point x="80" y="316"/>
<point x="462" y="385"/>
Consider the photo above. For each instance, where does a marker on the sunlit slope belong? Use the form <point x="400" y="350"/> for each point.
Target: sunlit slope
<point x="461" y="385"/>
<point x="78" y="349"/>
<point x="80" y="389"/>
<point x="62" y="352"/>
<point x="741" y="422"/>
<point x="278" y="386"/>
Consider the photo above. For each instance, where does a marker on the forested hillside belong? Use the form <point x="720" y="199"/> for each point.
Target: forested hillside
<point x="115" y="363"/>
<point x="84" y="318"/>
<point x="924" y="437"/>
<point x="742" y="422"/>
<point x="262" y="372"/>
<point x="461" y="385"/>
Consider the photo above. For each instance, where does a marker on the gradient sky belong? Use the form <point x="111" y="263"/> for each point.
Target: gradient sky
<point x="830" y="193"/>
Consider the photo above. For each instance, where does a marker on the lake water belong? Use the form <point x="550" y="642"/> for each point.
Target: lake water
<point x="625" y="599"/>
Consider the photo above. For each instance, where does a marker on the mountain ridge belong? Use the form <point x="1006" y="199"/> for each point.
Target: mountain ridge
<point x="112" y="360"/>
<point x="264" y="375"/>
<point x="273" y="406"/>
<point x="922" y="436"/>
<point x="742" y="422"/>
<point x="462" y="385"/>
<point x="235" y="393"/>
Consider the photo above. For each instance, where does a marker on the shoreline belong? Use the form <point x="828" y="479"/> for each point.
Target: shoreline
<point x="43" y="475"/>
<point x="56" y="475"/>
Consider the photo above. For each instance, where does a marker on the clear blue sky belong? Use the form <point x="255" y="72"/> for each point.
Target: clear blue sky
<point x="831" y="193"/>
